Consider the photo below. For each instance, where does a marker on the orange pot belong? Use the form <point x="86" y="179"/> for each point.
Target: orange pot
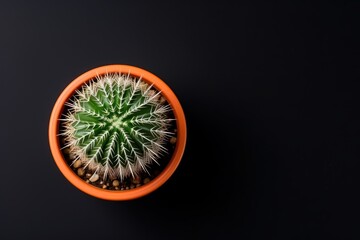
<point x="112" y="194"/>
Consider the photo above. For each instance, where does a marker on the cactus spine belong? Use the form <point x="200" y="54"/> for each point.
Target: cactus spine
<point x="117" y="125"/>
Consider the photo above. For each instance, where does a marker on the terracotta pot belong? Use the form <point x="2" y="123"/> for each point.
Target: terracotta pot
<point x="114" y="195"/>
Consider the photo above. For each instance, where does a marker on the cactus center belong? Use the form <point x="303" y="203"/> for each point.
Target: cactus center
<point x="116" y="122"/>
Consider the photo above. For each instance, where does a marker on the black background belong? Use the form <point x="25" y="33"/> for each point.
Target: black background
<point x="271" y="96"/>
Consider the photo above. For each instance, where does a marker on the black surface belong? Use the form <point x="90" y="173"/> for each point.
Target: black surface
<point x="271" y="96"/>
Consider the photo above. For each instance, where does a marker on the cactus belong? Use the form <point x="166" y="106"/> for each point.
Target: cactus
<point x="117" y="125"/>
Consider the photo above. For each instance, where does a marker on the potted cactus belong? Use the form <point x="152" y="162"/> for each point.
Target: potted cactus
<point x="117" y="132"/>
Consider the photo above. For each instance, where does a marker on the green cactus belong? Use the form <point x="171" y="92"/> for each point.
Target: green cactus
<point x="117" y="125"/>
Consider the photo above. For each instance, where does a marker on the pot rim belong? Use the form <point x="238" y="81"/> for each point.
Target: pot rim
<point x="106" y="194"/>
